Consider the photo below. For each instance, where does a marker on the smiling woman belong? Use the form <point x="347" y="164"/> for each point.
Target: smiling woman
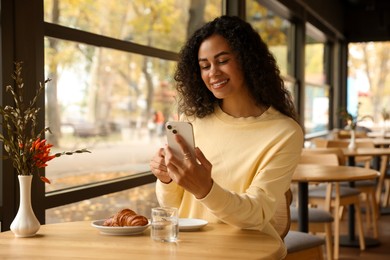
<point x="248" y="140"/>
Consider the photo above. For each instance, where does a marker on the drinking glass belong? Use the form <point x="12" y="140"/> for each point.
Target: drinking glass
<point x="165" y="224"/>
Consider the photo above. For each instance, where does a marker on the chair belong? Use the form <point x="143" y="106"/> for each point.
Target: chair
<point x="333" y="198"/>
<point x="281" y="220"/>
<point x="368" y="189"/>
<point x="366" y="160"/>
<point x="346" y="134"/>
<point x="303" y="246"/>
<point x="299" y="245"/>
<point x="384" y="182"/>
<point x="320" y="220"/>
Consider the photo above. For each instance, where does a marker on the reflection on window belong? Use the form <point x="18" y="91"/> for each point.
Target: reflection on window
<point x="316" y="108"/>
<point x="140" y="199"/>
<point x="110" y="102"/>
<point x="160" y="24"/>
<point x="273" y="29"/>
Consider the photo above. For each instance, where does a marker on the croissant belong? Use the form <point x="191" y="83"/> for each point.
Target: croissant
<point x="126" y="217"/>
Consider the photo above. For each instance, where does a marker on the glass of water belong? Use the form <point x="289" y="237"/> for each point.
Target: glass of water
<point x="165" y="224"/>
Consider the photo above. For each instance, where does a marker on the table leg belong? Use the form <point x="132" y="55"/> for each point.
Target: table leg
<point x="303" y="211"/>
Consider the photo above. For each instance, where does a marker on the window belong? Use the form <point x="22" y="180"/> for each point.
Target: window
<point x="106" y="103"/>
<point x="314" y="59"/>
<point x="111" y="65"/>
<point x="316" y="108"/>
<point x="274" y="30"/>
<point x="316" y="89"/>
<point x="368" y="84"/>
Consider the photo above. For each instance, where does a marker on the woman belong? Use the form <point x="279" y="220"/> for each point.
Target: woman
<point x="247" y="136"/>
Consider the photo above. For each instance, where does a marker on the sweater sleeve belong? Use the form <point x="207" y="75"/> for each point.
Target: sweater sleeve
<point x="169" y="195"/>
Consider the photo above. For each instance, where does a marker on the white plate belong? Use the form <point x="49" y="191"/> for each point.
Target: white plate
<point x="118" y="231"/>
<point x="188" y="224"/>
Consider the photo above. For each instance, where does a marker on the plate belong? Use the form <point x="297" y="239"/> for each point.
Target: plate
<point x="118" y="231"/>
<point x="189" y="224"/>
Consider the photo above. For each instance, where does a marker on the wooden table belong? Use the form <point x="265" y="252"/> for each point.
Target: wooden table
<point x="376" y="152"/>
<point x="378" y="141"/>
<point x="352" y="153"/>
<point x="306" y="173"/>
<point x="378" y="134"/>
<point x="79" y="240"/>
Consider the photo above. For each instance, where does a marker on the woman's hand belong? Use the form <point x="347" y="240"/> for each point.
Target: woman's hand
<point x="193" y="174"/>
<point x="158" y="167"/>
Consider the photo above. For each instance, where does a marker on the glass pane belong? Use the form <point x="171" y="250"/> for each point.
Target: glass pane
<point x="104" y="100"/>
<point x="161" y="24"/>
<point x="274" y="30"/>
<point x="369" y="84"/>
<point x="140" y="199"/>
<point x="316" y="108"/>
<point x="314" y="66"/>
<point x="314" y="56"/>
<point x="290" y="86"/>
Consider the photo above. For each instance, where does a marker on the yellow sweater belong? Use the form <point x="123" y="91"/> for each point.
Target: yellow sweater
<point x="253" y="160"/>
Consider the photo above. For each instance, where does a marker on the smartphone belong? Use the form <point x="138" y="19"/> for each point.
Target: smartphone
<point x="186" y="131"/>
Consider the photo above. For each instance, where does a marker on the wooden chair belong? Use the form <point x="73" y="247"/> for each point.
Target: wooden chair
<point x="281" y="220"/>
<point x="333" y="197"/>
<point x="346" y="134"/>
<point x="320" y="220"/>
<point x="366" y="160"/>
<point x="384" y="182"/>
<point x="368" y="189"/>
<point x="300" y="245"/>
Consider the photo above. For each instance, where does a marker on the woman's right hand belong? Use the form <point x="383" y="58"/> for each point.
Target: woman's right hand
<point x="158" y="167"/>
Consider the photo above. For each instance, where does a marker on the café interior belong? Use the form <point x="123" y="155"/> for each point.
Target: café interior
<point x="110" y="65"/>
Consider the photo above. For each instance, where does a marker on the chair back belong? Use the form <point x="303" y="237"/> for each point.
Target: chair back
<point x="346" y="134"/>
<point x="282" y="220"/>
<point x="320" y="142"/>
<point x="337" y="143"/>
<point x="306" y="156"/>
<point x="365" y="144"/>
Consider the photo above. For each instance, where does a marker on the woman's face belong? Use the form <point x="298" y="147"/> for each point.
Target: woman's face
<point x="220" y="69"/>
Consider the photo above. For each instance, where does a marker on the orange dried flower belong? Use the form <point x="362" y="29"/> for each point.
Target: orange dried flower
<point x="41" y="151"/>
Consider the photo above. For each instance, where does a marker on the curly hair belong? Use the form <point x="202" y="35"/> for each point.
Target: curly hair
<point x="260" y="70"/>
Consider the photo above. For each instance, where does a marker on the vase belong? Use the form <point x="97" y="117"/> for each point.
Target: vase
<point x="352" y="141"/>
<point x="25" y="223"/>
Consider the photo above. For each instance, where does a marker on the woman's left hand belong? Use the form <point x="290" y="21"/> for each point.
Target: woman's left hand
<point x="193" y="174"/>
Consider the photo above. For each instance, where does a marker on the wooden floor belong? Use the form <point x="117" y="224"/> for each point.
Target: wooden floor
<point x="371" y="253"/>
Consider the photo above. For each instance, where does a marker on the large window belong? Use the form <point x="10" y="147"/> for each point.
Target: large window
<point x="111" y="97"/>
<point x="106" y="102"/>
<point x="274" y="30"/>
<point x="316" y="87"/>
<point x="368" y="84"/>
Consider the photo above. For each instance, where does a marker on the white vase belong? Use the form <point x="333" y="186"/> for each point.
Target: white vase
<point x="352" y="141"/>
<point x="25" y="223"/>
